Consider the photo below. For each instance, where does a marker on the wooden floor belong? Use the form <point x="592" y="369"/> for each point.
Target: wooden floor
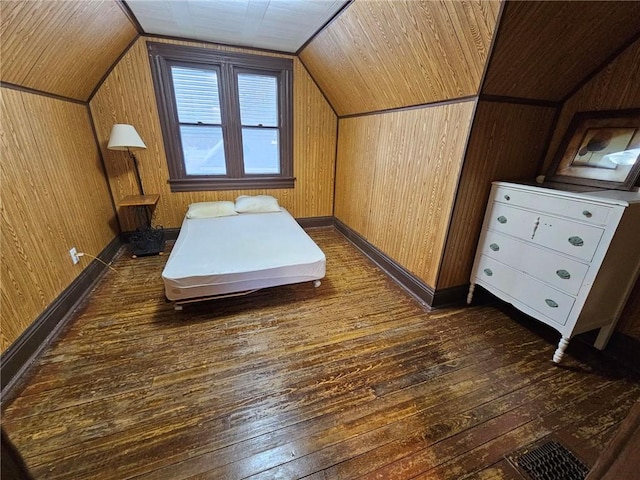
<point x="350" y="380"/>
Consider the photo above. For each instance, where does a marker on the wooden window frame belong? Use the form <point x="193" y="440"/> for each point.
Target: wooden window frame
<point x="163" y="56"/>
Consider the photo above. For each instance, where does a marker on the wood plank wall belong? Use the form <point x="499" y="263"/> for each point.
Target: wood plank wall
<point x="573" y="38"/>
<point x="397" y="171"/>
<point x="545" y="49"/>
<point x="509" y="137"/>
<point x="395" y="186"/>
<point x="616" y="87"/>
<point x="396" y="179"/>
<point x="507" y="143"/>
<point x="54" y="196"/>
<point x="382" y="55"/>
<point x="542" y="51"/>
<point x="63" y="48"/>
<point x="127" y="96"/>
<point x="629" y="322"/>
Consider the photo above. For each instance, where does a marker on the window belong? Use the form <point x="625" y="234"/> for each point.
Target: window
<point x="226" y="118"/>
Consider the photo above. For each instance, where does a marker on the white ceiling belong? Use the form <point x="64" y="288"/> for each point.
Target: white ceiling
<point x="283" y="25"/>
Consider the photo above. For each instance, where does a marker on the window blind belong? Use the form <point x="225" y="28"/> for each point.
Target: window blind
<point x="197" y="96"/>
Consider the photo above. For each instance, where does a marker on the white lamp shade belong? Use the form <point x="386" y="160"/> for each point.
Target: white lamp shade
<point x="124" y="137"/>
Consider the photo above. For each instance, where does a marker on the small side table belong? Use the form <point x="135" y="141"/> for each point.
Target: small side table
<point x="146" y="240"/>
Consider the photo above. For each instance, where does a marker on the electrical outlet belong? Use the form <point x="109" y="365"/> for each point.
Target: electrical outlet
<point x="73" y="253"/>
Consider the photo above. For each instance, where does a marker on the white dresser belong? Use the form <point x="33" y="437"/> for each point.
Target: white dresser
<point x="567" y="259"/>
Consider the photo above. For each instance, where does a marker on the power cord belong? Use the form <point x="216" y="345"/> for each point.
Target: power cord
<point x="82" y="254"/>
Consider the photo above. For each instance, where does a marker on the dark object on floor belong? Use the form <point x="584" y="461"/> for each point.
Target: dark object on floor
<point x="550" y="461"/>
<point x="149" y="241"/>
<point x="620" y="459"/>
<point x="13" y="466"/>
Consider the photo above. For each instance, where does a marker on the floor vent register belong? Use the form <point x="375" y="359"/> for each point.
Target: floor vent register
<point x="549" y="461"/>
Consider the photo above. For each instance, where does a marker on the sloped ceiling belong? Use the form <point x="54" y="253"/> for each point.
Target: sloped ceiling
<point x="545" y="49"/>
<point x="61" y="47"/>
<point x="375" y="55"/>
<point x="382" y="55"/>
<point x="283" y="25"/>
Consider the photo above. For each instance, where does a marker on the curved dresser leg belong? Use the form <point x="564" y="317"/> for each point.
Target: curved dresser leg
<point x="562" y="347"/>
<point x="472" y="287"/>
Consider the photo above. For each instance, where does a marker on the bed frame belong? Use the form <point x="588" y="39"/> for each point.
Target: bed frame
<point x="236" y="255"/>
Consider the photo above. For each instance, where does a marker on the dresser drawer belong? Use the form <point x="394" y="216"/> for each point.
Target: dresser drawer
<point x="575" y="239"/>
<point x="551" y="303"/>
<point x="566" y="207"/>
<point x="557" y="270"/>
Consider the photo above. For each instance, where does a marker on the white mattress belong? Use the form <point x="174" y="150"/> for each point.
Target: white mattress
<point x="223" y="255"/>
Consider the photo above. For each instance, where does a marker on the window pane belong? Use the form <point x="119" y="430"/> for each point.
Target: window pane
<point x="203" y="150"/>
<point x="261" y="150"/>
<point x="196" y="95"/>
<point x="258" y="99"/>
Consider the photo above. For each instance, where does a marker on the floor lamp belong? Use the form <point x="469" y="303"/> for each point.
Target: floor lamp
<point x="125" y="137"/>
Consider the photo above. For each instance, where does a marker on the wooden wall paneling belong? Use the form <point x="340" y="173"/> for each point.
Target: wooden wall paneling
<point x="416" y="180"/>
<point x="21" y="42"/>
<point x="127" y="96"/>
<point x="616" y="87"/>
<point x="383" y="55"/>
<point x="475" y="24"/>
<point x="396" y="180"/>
<point x="355" y="169"/>
<point x="54" y="196"/>
<point x="545" y="49"/>
<point x="314" y="147"/>
<point x="629" y="322"/>
<point x="62" y="48"/>
<point x="507" y="142"/>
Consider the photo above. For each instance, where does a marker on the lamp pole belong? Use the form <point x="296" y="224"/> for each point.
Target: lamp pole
<point x="135" y="165"/>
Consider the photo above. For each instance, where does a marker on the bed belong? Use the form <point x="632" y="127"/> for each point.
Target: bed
<point x="237" y="254"/>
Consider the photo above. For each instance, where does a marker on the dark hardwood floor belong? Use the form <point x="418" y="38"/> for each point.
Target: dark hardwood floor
<point x="350" y="380"/>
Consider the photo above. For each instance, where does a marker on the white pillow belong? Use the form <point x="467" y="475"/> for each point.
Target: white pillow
<point x="211" y="209"/>
<point x="256" y="204"/>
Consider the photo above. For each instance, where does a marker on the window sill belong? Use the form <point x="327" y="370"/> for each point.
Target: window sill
<point x="246" y="183"/>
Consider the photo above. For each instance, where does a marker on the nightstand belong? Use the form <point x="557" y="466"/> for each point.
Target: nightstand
<point x="146" y="240"/>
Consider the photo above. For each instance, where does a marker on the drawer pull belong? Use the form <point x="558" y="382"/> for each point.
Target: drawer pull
<point x="488" y="272"/>
<point x="551" y="303"/>
<point x="495" y="247"/>
<point x="587" y="213"/>
<point x="576" y="241"/>
<point x="507" y="198"/>
<point x="563" y="274"/>
<point x="502" y="219"/>
<point x="535" y="228"/>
